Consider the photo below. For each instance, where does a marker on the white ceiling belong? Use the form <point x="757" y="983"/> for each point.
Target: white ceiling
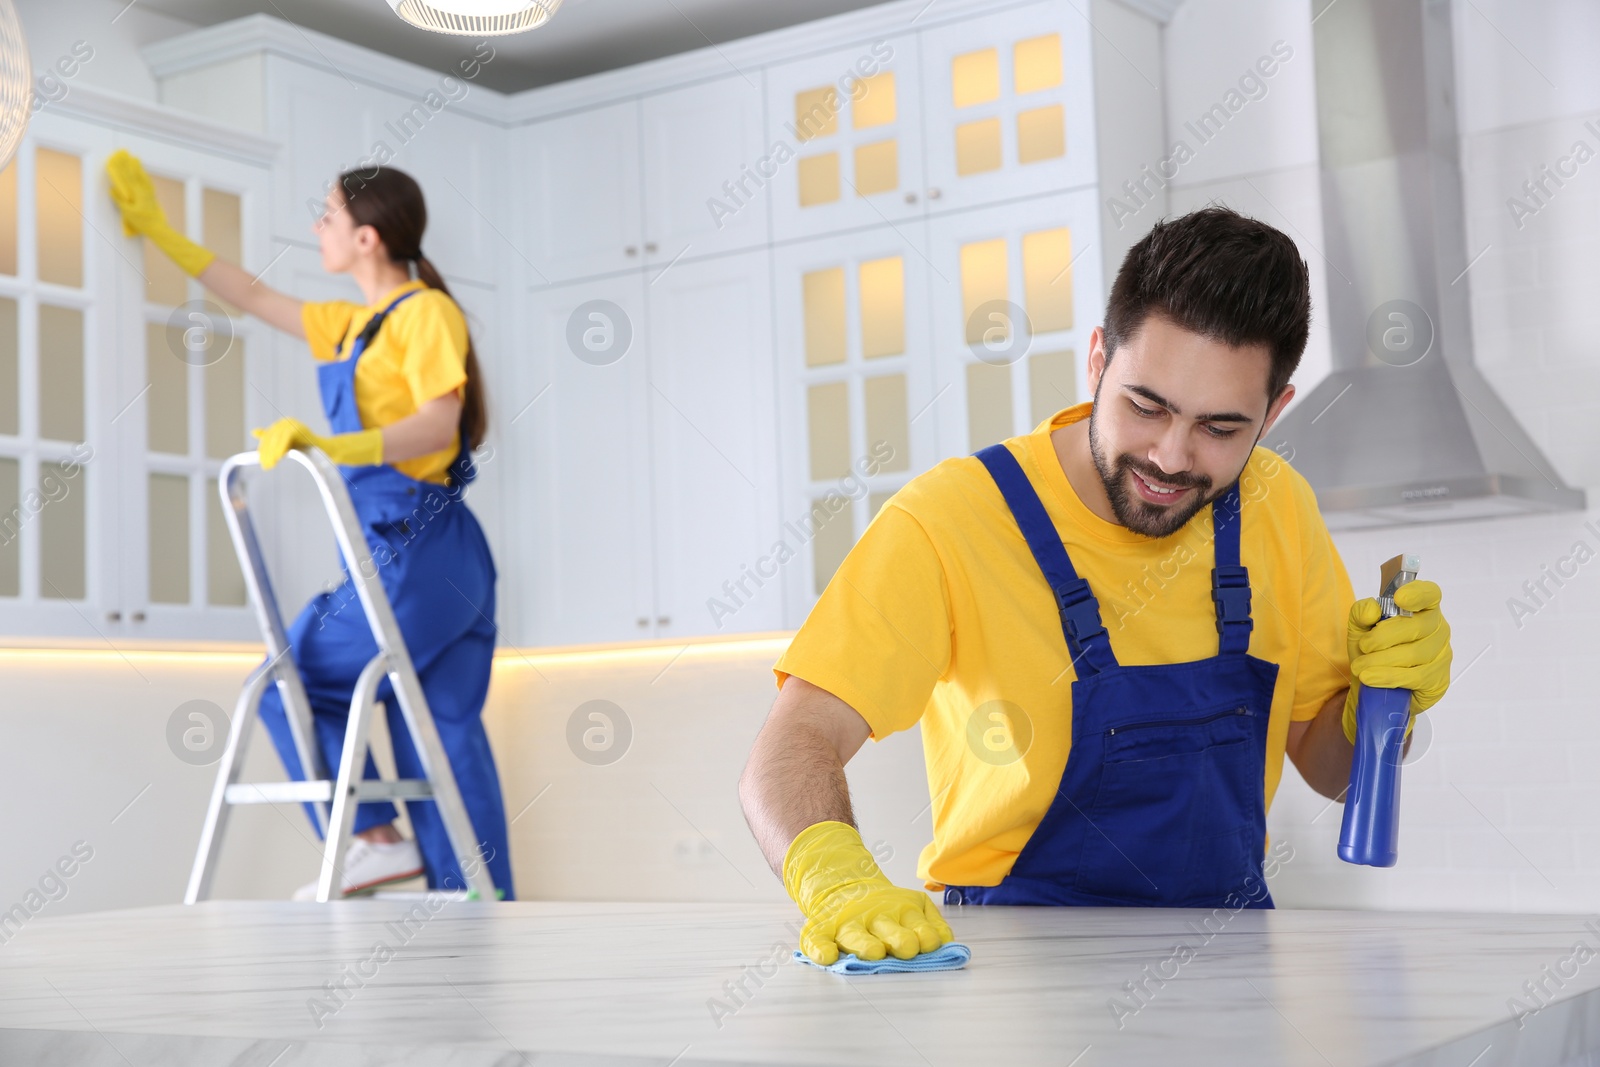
<point x="585" y="36"/>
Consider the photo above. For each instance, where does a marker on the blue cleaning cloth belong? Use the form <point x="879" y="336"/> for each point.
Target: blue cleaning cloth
<point x="951" y="956"/>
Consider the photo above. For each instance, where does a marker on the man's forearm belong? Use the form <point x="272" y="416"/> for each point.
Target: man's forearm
<point x="793" y="779"/>
<point x="795" y="775"/>
<point x="1324" y="755"/>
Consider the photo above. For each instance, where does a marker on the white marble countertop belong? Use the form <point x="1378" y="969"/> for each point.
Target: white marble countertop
<point x="626" y="985"/>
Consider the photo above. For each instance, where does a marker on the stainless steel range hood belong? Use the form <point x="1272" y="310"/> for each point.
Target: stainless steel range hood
<point x="1406" y="428"/>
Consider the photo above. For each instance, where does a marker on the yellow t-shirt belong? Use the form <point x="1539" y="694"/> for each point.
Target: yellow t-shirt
<point x="939" y="613"/>
<point x="419" y="354"/>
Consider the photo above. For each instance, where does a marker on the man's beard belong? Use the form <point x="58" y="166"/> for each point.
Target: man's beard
<point x="1131" y="510"/>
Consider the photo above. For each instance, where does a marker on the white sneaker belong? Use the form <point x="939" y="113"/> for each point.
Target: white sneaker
<point x="368" y="866"/>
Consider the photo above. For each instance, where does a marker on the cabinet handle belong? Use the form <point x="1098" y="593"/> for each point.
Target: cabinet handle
<point x="137" y="616"/>
<point x="649" y="246"/>
<point x="113" y="616"/>
<point x="662" y="620"/>
<point x="631" y="250"/>
<point x="934" y="194"/>
<point x="643" y="621"/>
<point x="911" y="198"/>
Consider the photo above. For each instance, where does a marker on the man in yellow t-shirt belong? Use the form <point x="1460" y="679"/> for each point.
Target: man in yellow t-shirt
<point x="1111" y="630"/>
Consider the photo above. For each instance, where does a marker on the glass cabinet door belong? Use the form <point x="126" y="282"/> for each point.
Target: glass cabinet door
<point x="846" y="128"/>
<point x="120" y="395"/>
<point x="1009" y="105"/>
<point x="53" y="495"/>
<point x="1016" y="293"/>
<point x="857" y="389"/>
<point x="186" y="376"/>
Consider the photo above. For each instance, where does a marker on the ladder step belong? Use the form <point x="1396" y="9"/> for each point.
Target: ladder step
<point x="404" y="789"/>
<point x="322" y="790"/>
<point x="279" y="792"/>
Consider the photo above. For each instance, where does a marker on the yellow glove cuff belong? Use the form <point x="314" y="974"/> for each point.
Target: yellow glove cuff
<point x="188" y="255"/>
<point x="1349" y="720"/>
<point x="822" y="857"/>
<point x="364" y="448"/>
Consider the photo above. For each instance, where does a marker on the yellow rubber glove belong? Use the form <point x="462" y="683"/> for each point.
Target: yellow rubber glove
<point x="135" y="196"/>
<point x="361" y="449"/>
<point x="1404" y="652"/>
<point x="848" y="903"/>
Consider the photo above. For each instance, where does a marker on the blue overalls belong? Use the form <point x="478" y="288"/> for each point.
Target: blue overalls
<point x="440" y="579"/>
<point x="1162" y="802"/>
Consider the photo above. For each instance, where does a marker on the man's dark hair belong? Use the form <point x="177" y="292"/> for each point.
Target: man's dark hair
<point x="1222" y="275"/>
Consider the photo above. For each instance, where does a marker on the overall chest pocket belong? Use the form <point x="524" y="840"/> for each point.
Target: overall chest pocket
<point x="1179" y="814"/>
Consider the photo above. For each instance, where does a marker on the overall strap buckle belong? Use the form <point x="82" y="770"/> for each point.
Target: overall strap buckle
<point x="1080" y="612"/>
<point x="1230" y="582"/>
<point x="1087" y="639"/>
<point x="1230" y="591"/>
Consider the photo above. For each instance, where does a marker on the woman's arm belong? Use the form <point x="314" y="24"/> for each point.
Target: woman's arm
<point x="433" y="427"/>
<point x="235" y="285"/>
<point x="135" y="196"/>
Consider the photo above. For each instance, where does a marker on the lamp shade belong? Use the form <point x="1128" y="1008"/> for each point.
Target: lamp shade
<point x="475" y="18"/>
<point x="16" y="82"/>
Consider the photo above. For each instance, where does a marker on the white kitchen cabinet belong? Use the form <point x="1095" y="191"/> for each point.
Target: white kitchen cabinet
<point x="859" y="398"/>
<point x="60" y="495"/>
<point x="577" y="417"/>
<point x="1008" y="106"/>
<point x="648" y="181"/>
<point x="329" y="123"/>
<point x="187" y="403"/>
<point x="713" y="447"/>
<point x="576" y="180"/>
<point x="849" y="121"/>
<point x="644" y="424"/>
<point x="107" y="364"/>
<point x="322" y="120"/>
<point x="456" y="160"/>
<point x="1015" y="292"/>
<point x="703" y="153"/>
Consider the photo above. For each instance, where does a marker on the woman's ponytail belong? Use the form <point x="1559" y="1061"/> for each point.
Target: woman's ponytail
<point x="390" y="201"/>
<point x="474" y="413"/>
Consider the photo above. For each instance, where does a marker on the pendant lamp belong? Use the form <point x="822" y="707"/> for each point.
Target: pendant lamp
<point x="16" y="82"/>
<point x="474" y="18"/>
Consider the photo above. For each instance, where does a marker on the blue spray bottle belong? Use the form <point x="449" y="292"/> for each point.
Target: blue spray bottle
<point x="1372" y="804"/>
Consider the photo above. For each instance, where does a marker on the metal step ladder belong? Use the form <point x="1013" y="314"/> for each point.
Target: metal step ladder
<point x="393" y="660"/>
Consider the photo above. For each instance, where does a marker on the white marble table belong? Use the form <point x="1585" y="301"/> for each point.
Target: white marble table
<point x="629" y="985"/>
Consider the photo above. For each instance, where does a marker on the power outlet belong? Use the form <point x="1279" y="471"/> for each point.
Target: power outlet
<point x="694" y="851"/>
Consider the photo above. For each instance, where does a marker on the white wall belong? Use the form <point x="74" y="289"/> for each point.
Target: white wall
<point x="1524" y="105"/>
<point x="1502" y="807"/>
<point x="1263" y="162"/>
<point x="1129" y="133"/>
<point x="113" y="29"/>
